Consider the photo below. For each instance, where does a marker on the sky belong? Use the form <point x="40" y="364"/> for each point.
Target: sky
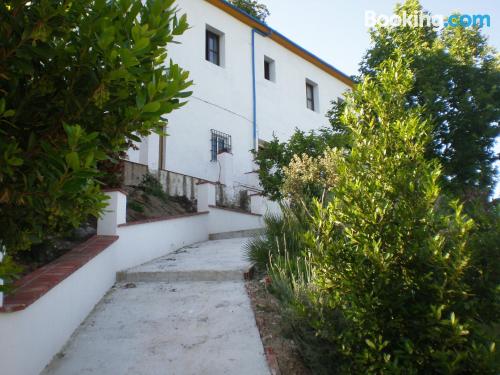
<point x="335" y="30"/>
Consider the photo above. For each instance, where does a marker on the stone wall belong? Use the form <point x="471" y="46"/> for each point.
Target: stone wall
<point x="174" y="184"/>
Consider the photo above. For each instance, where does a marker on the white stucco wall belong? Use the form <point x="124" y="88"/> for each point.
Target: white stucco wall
<point x="222" y="220"/>
<point x="222" y="95"/>
<point x="31" y="337"/>
<point x="144" y="242"/>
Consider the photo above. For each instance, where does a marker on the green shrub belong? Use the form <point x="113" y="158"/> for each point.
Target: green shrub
<point x="136" y="206"/>
<point x="282" y="236"/>
<point x="484" y="274"/>
<point x="79" y="81"/>
<point x="151" y="186"/>
<point x="381" y="276"/>
<point x="276" y="155"/>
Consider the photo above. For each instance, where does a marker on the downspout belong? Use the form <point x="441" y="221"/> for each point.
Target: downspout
<point x="254" y="87"/>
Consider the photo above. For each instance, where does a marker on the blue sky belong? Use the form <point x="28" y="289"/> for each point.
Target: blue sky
<point x="335" y="29"/>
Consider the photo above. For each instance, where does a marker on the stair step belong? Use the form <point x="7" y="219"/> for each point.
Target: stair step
<point x="181" y="276"/>
<point x="237" y="234"/>
<point x="216" y="260"/>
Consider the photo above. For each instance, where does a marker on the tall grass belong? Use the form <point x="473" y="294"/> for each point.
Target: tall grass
<point x="283" y="253"/>
<point x="283" y="232"/>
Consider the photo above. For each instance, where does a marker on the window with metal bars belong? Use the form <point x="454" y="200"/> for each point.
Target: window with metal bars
<point x="221" y="142"/>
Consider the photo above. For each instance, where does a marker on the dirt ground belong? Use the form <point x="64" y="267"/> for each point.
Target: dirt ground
<point x="141" y="205"/>
<point x="273" y="330"/>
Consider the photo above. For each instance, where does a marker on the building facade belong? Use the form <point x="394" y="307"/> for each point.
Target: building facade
<point x="250" y="82"/>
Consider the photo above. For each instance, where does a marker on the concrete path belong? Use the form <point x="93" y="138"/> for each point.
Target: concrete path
<point x="185" y="313"/>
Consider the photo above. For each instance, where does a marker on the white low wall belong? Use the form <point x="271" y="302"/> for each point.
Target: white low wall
<point x="31" y="337"/>
<point x="223" y="220"/>
<point x="140" y="243"/>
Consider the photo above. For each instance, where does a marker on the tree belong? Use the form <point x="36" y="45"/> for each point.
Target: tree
<point x="276" y="155"/>
<point x="253" y="8"/>
<point x="78" y="82"/>
<point x="386" y="254"/>
<point x="458" y="85"/>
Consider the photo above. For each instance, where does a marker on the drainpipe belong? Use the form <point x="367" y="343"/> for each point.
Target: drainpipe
<point x="254" y="87"/>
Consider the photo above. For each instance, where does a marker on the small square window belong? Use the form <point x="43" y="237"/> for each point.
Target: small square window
<point x="221" y="142"/>
<point x="213" y="48"/>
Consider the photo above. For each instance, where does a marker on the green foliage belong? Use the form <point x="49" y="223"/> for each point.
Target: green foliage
<point x="151" y="186"/>
<point x="382" y="279"/>
<point x="253" y="8"/>
<point x="136" y="206"/>
<point x="78" y="82"/>
<point x="457" y="83"/>
<point x="282" y="236"/>
<point x="484" y="274"/>
<point x="8" y="269"/>
<point x="276" y="155"/>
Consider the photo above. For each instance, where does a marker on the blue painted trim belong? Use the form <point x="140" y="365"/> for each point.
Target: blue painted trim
<point x="272" y="31"/>
<point x="254" y="93"/>
<point x="254" y="87"/>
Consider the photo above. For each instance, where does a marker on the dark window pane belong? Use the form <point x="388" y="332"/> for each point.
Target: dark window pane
<point x="310" y="96"/>
<point x="267" y="70"/>
<point x="212" y="48"/>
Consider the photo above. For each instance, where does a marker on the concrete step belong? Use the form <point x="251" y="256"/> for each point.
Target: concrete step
<point x="216" y="260"/>
<point x="180" y="276"/>
<point x="237" y="234"/>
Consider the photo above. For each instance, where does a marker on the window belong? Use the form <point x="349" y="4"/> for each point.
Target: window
<point x="213" y="48"/>
<point x="310" y="97"/>
<point x="269" y="69"/>
<point x="221" y="142"/>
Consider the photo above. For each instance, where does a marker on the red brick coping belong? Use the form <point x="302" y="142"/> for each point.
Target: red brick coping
<point x="34" y="285"/>
<point x="161" y="218"/>
<point x="235" y="210"/>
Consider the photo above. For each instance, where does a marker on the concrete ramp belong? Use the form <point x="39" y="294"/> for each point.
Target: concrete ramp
<point x="184" y="313"/>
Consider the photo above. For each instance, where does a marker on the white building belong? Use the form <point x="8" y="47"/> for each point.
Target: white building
<point x="250" y="82"/>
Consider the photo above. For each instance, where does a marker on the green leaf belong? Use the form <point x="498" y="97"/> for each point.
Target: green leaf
<point x="151" y="107"/>
<point x="15" y="161"/>
<point x="9" y="113"/>
<point x="73" y="160"/>
<point x="141" y="44"/>
<point x="370" y="344"/>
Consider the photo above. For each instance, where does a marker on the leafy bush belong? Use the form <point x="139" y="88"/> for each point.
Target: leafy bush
<point x="276" y="155"/>
<point x="151" y="186"/>
<point x="484" y="274"/>
<point x="382" y="274"/>
<point x="282" y="236"/>
<point x="135" y="206"/>
<point x="78" y="82"/>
